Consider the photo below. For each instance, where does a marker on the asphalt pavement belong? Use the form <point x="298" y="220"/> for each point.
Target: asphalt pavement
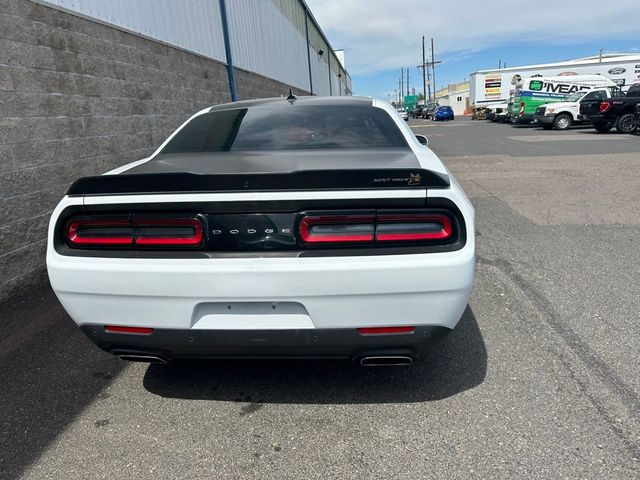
<point x="541" y="378"/>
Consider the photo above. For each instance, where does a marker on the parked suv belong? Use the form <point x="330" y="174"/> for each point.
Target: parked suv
<point x="636" y="118"/>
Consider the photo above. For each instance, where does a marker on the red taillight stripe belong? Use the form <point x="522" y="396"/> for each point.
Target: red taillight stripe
<point x="384" y="228"/>
<point x="389" y="221"/>
<point x="76" y="239"/>
<point x="308" y="236"/>
<point x="128" y="330"/>
<point x="137" y="232"/>
<point x="195" y="239"/>
<point x="386" y="330"/>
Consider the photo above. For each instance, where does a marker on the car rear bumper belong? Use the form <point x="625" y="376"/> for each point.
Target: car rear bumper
<point x="266" y="293"/>
<point x="169" y="344"/>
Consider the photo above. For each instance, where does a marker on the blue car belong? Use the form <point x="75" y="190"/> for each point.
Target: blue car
<point x="443" y="113"/>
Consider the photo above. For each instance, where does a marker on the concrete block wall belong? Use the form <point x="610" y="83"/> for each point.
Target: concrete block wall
<point x="79" y="98"/>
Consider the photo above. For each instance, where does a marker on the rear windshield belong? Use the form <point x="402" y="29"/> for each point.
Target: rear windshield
<point x="288" y="127"/>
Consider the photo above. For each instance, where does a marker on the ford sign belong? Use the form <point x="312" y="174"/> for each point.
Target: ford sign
<point x="617" y="71"/>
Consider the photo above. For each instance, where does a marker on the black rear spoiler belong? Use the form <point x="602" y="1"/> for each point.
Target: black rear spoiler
<point x="301" y="180"/>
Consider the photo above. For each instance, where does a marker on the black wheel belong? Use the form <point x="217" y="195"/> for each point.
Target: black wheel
<point x="562" y="121"/>
<point x="625" y="124"/>
<point x="603" y="127"/>
<point x="547" y="126"/>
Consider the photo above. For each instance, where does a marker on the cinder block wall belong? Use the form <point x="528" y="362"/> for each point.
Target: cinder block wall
<point x="79" y="98"/>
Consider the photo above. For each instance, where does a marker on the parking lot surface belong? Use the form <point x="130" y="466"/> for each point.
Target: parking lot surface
<point x="540" y="379"/>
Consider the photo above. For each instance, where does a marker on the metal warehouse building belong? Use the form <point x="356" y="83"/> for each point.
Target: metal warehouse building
<point x="279" y="39"/>
<point x="89" y="85"/>
<point x="488" y="86"/>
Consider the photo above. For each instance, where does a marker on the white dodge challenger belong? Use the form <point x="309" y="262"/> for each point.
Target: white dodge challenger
<point x="302" y="227"/>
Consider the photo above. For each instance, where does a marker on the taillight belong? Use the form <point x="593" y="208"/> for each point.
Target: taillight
<point x="412" y="227"/>
<point x="521" y="108"/>
<point x="99" y="232"/>
<point x="337" y="229"/>
<point x="131" y="231"/>
<point x="381" y="228"/>
<point x="605" y="106"/>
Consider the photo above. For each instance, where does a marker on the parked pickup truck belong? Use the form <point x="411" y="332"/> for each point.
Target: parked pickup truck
<point x="618" y="112"/>
<point x="636" y="120"/>
<point x="561" y="115"/>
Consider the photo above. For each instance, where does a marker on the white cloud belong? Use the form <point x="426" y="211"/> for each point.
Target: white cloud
<point x="383" y="34"/>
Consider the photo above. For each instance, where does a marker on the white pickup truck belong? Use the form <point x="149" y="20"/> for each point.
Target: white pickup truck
<point x="561" y="115"/>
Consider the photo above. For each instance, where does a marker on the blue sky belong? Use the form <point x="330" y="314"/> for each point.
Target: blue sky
<point x="380" y="36"/>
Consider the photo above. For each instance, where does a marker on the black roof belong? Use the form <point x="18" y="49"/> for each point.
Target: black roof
<point x="302" y="100"/>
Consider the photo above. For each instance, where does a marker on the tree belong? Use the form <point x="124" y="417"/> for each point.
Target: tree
<point x="420" y="97"/>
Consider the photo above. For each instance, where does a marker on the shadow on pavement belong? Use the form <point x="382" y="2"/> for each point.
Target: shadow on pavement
<point x="458" y="364"/>
<point x="49" y="372"/>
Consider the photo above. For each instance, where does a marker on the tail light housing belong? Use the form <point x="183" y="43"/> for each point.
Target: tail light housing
<point x="133" y="232"/>
<point x="379" y="228"/>
<point x="345" y="228"/>
<point x="521" y="108"/>
<point x="605" y="106"/>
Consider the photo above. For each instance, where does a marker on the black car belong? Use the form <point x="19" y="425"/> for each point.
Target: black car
<point x="636" y="117"/>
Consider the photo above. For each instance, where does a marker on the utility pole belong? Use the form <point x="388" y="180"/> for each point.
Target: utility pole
<point x="424" y="78"/>
<point x="433" y="66"/>
<point x="407" y="80"/>
<point x="401" y="84"/>
<point x="429" y="81"/>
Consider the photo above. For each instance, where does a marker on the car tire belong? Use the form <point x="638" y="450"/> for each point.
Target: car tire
<point x="625" y="124"/>
<point x="603" y="127"/>
<point x="562" y="121"/>
<point x="547" y="126"/>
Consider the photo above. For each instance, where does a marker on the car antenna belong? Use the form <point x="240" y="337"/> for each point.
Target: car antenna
<point x="291" y="98"/>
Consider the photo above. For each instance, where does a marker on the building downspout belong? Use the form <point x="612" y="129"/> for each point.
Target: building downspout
<point x="227" y="50"/>
<point x="306" y="28"/>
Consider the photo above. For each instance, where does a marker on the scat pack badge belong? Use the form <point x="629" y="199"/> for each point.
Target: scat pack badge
<point x="415" y="179"/>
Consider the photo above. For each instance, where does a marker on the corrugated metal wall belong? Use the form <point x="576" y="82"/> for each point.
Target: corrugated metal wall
<point x="268" y="37"/>
<point x="264" y="40"/>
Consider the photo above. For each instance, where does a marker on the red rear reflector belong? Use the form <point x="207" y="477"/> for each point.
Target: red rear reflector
<point x="337" y="229"/>
<point x="385" y="330"/>
<point x="604" y="106"/>
<point x="129" y="330"/>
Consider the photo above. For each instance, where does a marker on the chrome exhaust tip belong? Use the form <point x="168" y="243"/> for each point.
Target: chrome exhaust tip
<point x="141" y="357"/>
<point x="386" y="361"/>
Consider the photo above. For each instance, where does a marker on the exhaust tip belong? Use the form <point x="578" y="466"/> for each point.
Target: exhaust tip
<point x="140" y="357"/>
<point x="386" y="361"/>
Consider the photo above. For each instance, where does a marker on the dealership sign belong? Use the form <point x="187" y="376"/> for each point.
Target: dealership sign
<point x="555" y="87"/>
